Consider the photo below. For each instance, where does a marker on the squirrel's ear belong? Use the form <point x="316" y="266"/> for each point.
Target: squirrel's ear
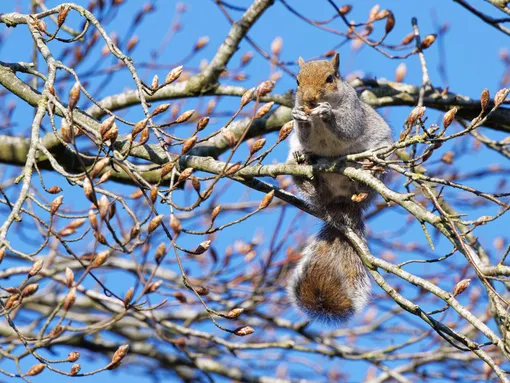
<point x="335" y="61"/>
<point x="300" y="61"/>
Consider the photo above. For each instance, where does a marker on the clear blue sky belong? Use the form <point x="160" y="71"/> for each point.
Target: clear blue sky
<point x="472" y="51"/>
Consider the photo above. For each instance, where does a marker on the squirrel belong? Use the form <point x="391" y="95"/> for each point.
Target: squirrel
<point x="330" y="282"/>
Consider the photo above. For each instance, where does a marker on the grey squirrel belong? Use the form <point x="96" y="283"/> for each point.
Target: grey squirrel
<point x="330" y="282"/>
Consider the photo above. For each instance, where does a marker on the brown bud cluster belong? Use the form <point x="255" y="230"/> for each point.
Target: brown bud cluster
<point x="416" y="113"/>
<point x="73" y="356"/>
<point x="247" y="96"/>
<point x="484" y="99"/>
<point x="36" y="369"/>
<point x="139" y="126"/>
<point x="447" y="158"/>
<point x="62" y="15"/>
<point x="29" y="290"/>
<point x="407" y="39"/>
<point x="184" y="116"/>
<point x="153" y="195"/>
<point x="202" y="42"/>
<point x="390" y="22"/>
<point x="264" y="109"/>
<point x="144" y="136"/>
<point x="501" y="96"/>
<point x="400" y="72"/>
<point x="160" y="253"/>
<point x="69" y="277"/>
<point x="461" y="286"/>
<point x="109" y="130"/>
<point x="185" y="174"/>
<point x="120" y="354"/>
<point x="180" y="297"/>
<point x="129" y="295"/>
<point x="154" y="286"/>
<point x="100" y="258"/>
<point x="266" y="200"/>
<point x="135" y="230"/>
<point x="210" y="106"/>
<point x="75" y="369"/>
<point x="175" y="224"/>
<point x="173" y="75"/>
<point x="36" y="267"/>
<point x="57" y="202"/>
<point x="257" y="145"/>
<point x="13" y="301"/>
<point x="131" y="44"/>
<point x="449" y="116"/>
<point x="66" y="132"/>
<point x="243" y="331"/>
<point x="112" y="134"/>
<point x="54" y="190"/>
<point x="382" y="14"/>
<point x="154" y="223"/>
<point x="74" y="96"/>
<point x="233" y="168"/>
<point x="203" y="247"/>
<point x="285" y="131"/>
<point x="202" y="290"/>
<point x="344" y="10"/>
<point x="103" y="205"/>
<point x="70" y="298"/>
<point x="71" y="228"/>
<point x="166" y="169"/>
<point x="234" y="313"/>
<point x="92" y="220"/>
<point x="106" y="175"/>
<point x="246" y="58"/>
<point x="202" y="123"/>
<point x="265" y="88"/>
<point x="373" y="12"/>
<point x="160" y="109"/>
<point x="99" y="167"/>
<point x="56" y="332"/>
<point x="196" y="184"/>
<point x="215" y="212"/>
<point x="106" y="125"/>
<point x="276" y="46"/>
<point x="155" y="82"/>
<point x="427" y="41"/>
<point x="88" y="190"/>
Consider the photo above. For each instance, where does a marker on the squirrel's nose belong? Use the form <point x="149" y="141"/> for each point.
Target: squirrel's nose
<point x="309" y="97"/>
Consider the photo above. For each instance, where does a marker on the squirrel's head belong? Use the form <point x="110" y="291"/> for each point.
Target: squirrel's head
<point x="317" y="80"/>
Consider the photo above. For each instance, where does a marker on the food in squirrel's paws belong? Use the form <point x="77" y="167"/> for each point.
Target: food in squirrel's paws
<point x="307" y="110"/>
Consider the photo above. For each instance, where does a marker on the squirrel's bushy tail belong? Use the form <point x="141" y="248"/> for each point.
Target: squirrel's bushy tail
<point x="331" y="282"/>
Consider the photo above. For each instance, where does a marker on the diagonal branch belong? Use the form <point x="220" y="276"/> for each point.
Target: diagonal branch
<point x="496" y="23"/>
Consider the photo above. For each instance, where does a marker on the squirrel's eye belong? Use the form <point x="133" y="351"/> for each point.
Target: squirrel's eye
<point x="330" y="78"/>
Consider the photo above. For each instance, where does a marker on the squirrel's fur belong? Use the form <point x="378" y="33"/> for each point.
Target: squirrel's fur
<point x="330" y="282"/>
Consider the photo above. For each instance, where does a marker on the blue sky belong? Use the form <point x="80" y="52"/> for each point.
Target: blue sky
<point x="471" y="51"/>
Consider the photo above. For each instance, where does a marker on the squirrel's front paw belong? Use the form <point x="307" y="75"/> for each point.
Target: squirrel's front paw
<point x="298" y="114"/>
<point x="302" y="158"/>
<point x="323" y="110"/>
